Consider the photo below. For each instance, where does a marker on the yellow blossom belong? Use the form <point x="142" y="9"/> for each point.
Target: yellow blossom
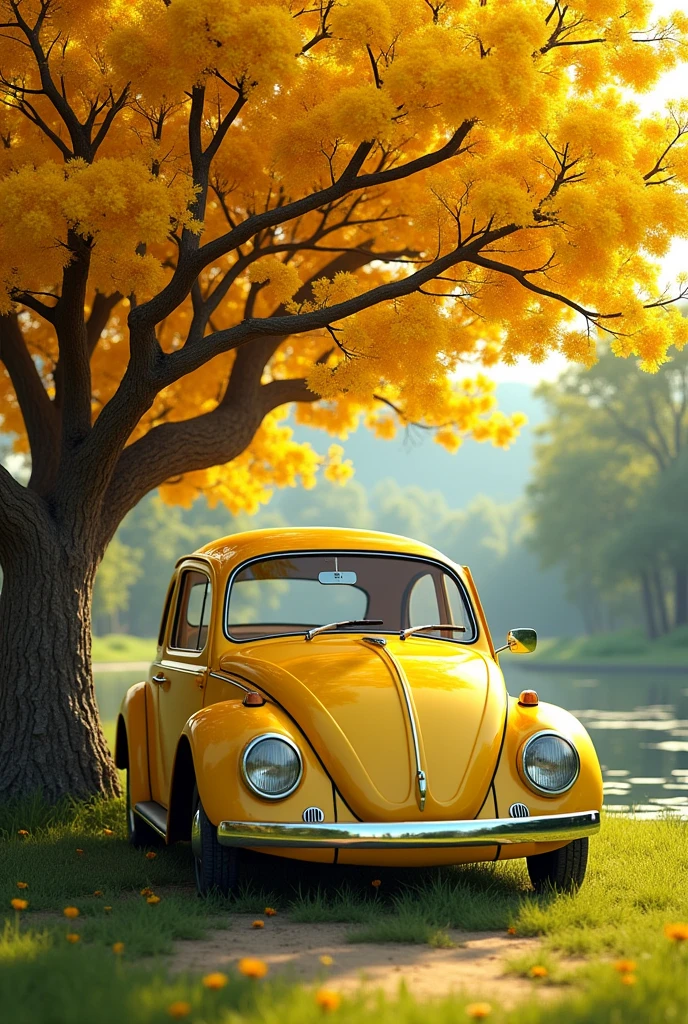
<point x="269" y="911"/>
<point x="216" y="980"/>
<point x="328" y="1000"/>
<point x="478" y="1011"/>
<point x="179" y="1009"/>
<point x="107" y="909"/>
<point x="628" y="979"/>
<point x="73" y="937"/>
<point x="258" y="924"/>
<point x="251" y="967"/>
<point x="676" y="932"/>
<point x="18" y="904"/>
<point x="538" y="971"/>
<point x="22" y="885"/>
<point x="118" y="948"/>
<point x="71" y="912"/>
<point x="98" y="892"/>
<point x="625" y="966"/>
<point x="152" y="900"/>
<point x="150" y="855"/>
<point x="326" y="960"/>
<point x="108" y="832"/>
<point x="22" y="832"/>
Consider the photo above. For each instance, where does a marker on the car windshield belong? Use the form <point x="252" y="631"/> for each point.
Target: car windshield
<point x="294" y="593"/>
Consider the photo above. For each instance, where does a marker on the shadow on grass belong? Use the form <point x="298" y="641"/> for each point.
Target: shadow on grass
<point x="70" y="851"/>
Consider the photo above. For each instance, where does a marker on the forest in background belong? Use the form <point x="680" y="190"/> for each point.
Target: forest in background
<point x="579" y="528"/>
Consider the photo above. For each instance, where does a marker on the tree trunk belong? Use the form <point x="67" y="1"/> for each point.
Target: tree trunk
<point x="681" y="597"/>
<point x="661" y="601"/>
<point x="648" y="605"/>
<point x="51" y="742"/>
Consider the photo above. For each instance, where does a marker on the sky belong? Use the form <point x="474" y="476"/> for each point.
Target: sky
<point x="674" y="85"/>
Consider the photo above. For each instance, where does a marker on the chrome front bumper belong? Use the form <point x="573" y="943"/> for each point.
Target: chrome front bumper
<point x="411" y="835"/>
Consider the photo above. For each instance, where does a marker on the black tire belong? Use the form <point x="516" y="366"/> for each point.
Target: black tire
<point x="140" y="833"/>
<point x="216" y="867"/>
<point x="562" y="870"/>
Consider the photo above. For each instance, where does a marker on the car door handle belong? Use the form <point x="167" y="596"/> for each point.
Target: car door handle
<point x="159" y="679"/>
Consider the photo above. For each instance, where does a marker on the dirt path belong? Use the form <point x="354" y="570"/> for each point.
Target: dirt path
<point x="475" y="964"/>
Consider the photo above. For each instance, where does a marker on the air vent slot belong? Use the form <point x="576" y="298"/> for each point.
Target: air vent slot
<point x="313" y="815"/>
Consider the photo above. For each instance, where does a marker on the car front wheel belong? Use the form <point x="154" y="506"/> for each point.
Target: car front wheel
<point x="562" y="869"/>
<point x="216" y="866"/>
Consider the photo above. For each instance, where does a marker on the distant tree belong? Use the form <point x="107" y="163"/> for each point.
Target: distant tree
<point x="117" y="575"/>
<point x="607" y="497"/>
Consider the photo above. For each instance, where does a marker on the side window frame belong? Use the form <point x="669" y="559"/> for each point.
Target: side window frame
<point x="208" y="595"/>
<point x="166" y="616"/>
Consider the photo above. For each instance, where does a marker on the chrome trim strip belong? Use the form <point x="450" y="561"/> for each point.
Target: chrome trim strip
<point x="421" y="779"/>
<point x="247" y="750"/>
<point x="232" y="682"/>
<point x="526" y="777"/>
<point x="411" y="835"/>
<point x="176" y="666"/>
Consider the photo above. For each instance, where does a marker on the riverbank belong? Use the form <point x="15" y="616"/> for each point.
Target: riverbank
<point x="625" y="650"/>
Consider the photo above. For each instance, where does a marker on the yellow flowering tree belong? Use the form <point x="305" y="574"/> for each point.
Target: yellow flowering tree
<point x="212" y="211"/>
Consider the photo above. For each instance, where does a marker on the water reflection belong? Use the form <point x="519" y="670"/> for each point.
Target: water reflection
<point x="638" y="723"/>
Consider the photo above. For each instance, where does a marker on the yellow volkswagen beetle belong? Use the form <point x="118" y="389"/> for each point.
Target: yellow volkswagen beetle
<point x="335" y="695"/>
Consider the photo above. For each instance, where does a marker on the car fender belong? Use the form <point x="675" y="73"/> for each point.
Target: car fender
<point x="211" y="749"/>
<point x="131" y="746"/>
<point x="525" y="721"/>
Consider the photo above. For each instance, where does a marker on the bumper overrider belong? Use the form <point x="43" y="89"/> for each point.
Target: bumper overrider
<point x="411" y="835"/>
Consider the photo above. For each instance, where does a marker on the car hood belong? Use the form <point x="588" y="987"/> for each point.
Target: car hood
<point x="349" y="698"/>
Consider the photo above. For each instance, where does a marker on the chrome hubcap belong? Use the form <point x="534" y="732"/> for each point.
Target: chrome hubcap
<point x="196" y="845"/>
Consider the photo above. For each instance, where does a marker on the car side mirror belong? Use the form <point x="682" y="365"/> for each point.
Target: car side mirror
<point x="522" y="640"/>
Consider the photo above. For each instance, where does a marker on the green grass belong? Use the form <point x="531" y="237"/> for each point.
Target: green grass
<point x="119" y="647"/>
<point x="637" y="883"/>
<point x="623" y="647"/>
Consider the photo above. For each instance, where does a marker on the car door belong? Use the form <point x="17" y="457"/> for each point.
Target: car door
<point x="178" y="677"/>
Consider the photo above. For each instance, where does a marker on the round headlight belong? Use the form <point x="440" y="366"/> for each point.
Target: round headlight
<point x="550" y="763"/>
<point x="272" y="766"/>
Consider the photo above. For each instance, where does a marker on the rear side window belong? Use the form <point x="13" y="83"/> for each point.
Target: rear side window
<point x="166" y="613"/>
<point x="193" y="612"/>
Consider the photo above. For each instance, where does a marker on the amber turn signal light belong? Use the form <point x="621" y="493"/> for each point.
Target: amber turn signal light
<point x="526" y="698"/>
<point x="254" y="700"/>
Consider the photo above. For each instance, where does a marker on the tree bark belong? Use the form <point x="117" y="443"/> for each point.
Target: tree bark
<point x="660" y="598"/>
<point x="681" y="596"/>
<point x="648" y="605"/>
<point x="51" y="742"/>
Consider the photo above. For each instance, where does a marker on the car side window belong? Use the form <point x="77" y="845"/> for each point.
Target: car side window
<point x="166" y="613"/>
<point x="423" y="608"/>
<point x="193" y="612"/>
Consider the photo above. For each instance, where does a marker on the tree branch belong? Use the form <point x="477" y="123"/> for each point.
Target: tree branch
<point x="156" y="309"/>
<point x="40" y="416"/>
<point x="187" y="359"/>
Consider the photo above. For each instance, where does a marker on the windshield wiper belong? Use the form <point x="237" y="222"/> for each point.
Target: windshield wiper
<point x="347" y="622"/>
<point x="404" y="633"/>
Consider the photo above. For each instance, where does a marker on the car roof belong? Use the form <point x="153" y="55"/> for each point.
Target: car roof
<point x="236" y="548"/>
